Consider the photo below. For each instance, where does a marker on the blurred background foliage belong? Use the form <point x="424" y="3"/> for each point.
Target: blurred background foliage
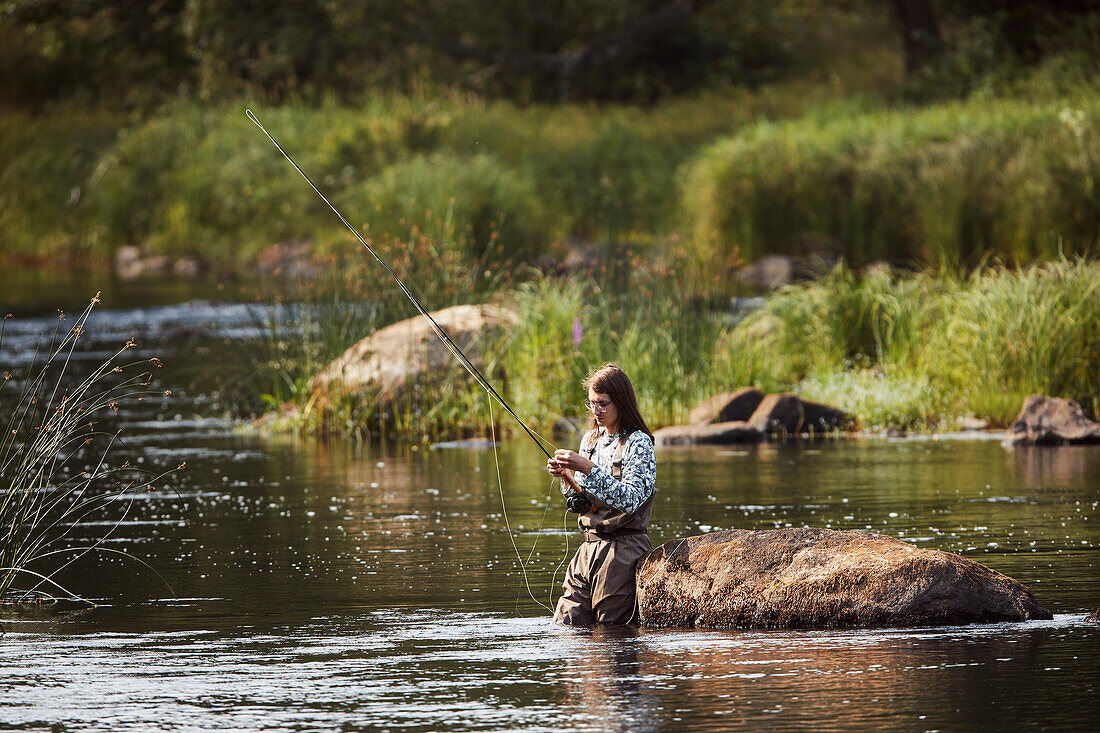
<point x="911" y="131"/>
<point x="636" y="152"/>
<point x="143" y="52"/>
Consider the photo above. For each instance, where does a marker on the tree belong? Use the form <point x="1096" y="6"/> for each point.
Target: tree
<point x="920" y="32"/>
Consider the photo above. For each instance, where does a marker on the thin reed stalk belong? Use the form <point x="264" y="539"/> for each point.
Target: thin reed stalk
<point x="55" y="471"/>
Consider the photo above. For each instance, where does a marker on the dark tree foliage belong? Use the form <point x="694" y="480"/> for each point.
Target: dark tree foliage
<point x="140" y="50"/>
<point x="259" y="46"/>
<point x="143" y="52"/>
<point x="126" y="50"/>
<point x="1029" y="29"/>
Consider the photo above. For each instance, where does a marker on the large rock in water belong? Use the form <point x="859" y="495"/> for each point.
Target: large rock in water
<point x="1052" y="421"/>
<point x="720" y="433"/>
<point x="788" y="413"/>
<point x="727" y="407"/>
<point x="820" y="578"/>
<point x="410" y="350"/>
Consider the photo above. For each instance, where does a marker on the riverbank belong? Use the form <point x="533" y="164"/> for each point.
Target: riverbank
<point x="800" y="167"/>
<point x="902" y="351"/>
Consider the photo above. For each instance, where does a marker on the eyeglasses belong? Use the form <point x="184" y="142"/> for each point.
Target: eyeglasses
<point x="596" y="406"/>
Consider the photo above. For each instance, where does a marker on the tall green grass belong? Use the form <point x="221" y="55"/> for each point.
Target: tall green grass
<point x="204" y="180"/>
<point x="894" y="350"/>
<point x="943" y="184"/>
<point x="920" y="350"/>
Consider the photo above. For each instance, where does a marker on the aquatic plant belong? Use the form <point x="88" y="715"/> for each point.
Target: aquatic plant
<point x="915" y="350"/>
<point x="55" y="468"/>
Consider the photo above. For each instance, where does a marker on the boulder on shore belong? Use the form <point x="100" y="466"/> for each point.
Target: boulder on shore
<point x="722" y="433"/>
<point x="727" y="407"/>
<point x="410" y="351"/>
<point x="788" y="413"/>
<point x="820" y="578"/>
<point x="767" y="273"/>
<point x="1052" y="421"/>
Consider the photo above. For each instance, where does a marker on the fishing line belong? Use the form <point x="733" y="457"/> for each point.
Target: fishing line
<point x="504" y="509"/>
<point x="451" y="346"/>
<point x="456" y="352"/>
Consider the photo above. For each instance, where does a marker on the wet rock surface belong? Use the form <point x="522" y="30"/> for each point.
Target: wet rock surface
<point x="748" y="416"/>
<point x="727" y="407"/>
<point x="820" y="578"/>
<point x="1052" y="421"/>
<point x="788" y="413"/>
<point x="722" y="433"/>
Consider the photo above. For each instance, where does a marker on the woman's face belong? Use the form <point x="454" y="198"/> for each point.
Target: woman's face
<point x="604" y="410"/>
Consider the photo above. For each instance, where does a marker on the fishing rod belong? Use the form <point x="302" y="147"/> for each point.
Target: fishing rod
<point x="451" y="345"/>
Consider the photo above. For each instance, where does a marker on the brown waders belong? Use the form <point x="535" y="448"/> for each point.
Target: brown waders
<point x="599" y="583"/>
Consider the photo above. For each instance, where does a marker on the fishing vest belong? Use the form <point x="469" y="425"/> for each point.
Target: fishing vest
<point x="606" y="521"/>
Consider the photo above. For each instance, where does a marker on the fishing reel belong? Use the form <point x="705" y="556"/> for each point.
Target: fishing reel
<point x="578" y="504"/>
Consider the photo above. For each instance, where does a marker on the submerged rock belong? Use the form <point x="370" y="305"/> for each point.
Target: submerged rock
<point x="722" y="433"/>
<point x="727" y="407"/>
<point x="1052" y="421"/>
<point x="820" y="578"/>
<point x="788" y="413"/>
<point x="410" y="351"/>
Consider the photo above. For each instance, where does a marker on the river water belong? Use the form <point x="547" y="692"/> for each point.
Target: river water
<point x="332" y="585"/>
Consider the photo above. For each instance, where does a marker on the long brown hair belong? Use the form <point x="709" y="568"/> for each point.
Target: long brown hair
<point x="612" y="381"/>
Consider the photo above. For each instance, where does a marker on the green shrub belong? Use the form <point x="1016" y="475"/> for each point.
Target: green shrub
<point x="477" y="203"/>
<point x="947" y="183"/>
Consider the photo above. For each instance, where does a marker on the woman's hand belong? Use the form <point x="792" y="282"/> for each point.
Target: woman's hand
<point x="567" y="460"/>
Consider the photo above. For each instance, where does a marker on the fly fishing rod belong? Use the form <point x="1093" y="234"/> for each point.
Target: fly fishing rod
<point x="451" y="345"/>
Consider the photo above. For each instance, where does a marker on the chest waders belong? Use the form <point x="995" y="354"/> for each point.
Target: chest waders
<point x="599" y="583"/>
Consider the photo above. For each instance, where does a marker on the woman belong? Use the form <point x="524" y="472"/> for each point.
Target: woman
<point x="615" y="470"/>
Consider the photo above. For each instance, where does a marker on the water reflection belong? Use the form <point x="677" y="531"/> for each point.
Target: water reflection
<point x="1054" y="465"/>
<point x="608" y="682"/>
<point x="339" y="585"/>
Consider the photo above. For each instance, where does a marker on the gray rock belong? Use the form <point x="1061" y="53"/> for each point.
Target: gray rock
<point x="767" y="273"/>
<point x="131" y="264"/>
<point x="1052" y="421"/>
<point x="820" y="578"/>
<point x="787" y="413"/>
<point x="410" y="351"/>
<point x="722" y="433"/>
<point x="190" y="267"/>
<point x="727" y="407"/>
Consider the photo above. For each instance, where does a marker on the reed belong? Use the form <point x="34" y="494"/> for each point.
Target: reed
<point x="920" y="350"/>
<point x="55" y="468"/>
<point x="895" y="350"/>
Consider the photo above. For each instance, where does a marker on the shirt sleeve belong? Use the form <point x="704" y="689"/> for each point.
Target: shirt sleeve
<point x="639" y="476"/>
<point x="565" y="489"/>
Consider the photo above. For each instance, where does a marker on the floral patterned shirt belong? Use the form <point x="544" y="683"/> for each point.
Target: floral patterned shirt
<point x="639" y="471"/>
